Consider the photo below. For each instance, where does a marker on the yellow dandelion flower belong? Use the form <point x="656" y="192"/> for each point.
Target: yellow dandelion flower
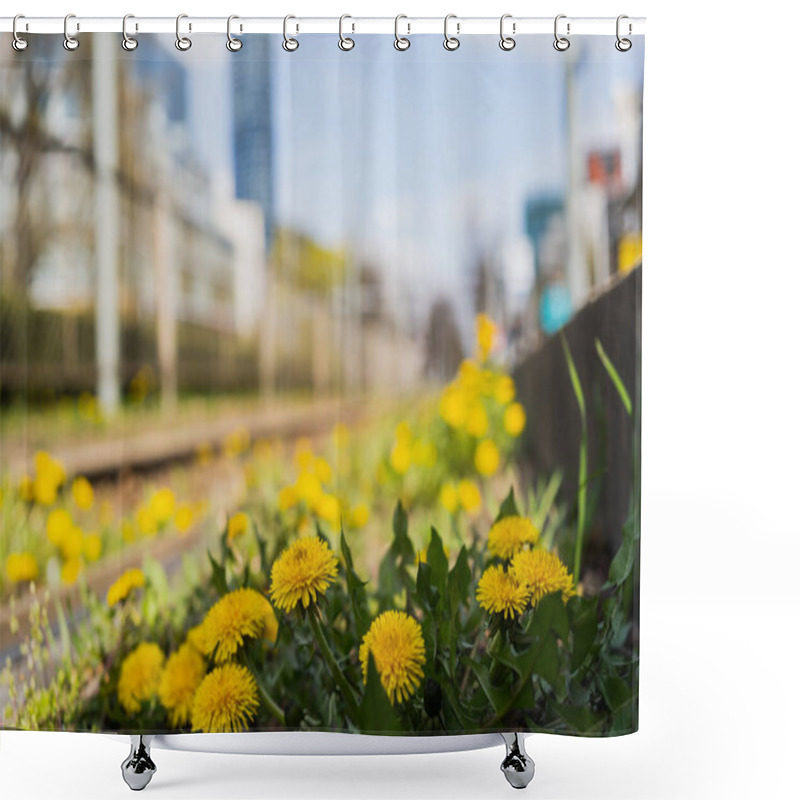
<point x="514" y="419"/>
<point x="323" y="470"/>
<point x="162" y="505"/>
<point x="469" y="495"/>
<point x="45" y="492"/>
<point x="287" y="498"/>
<point x="487" y="458"/>
<point x="237" y="525"/>
<point x="485" y="331"/>
<point x="304" y="569"/>
<point x="71" y="570"/>
<point x="146" y="521"/>
<point x="501" y="592"/>
<point x="184" y="518"/>
<point x="327" y="507"/>
<point x="359" y="515"/>
<point x="49" y="468"/>
<point x="453" y="407"/>
<point x="92" y="546"/>
<point x="21" y="568"/>
<point x="239" y="614"/>
<point x="139" y="677"/>
<point x="124" y="585"/>
<point x="509" y="534"/>
<point x="477" y="421"/>
<point x="225" y="701"/>
<point x="82" y="493"/>
<point x="71" y="544"/>
<point x="395" y="642"/>
<point x="543" y="573"/>
<point x="504" y="389"/>
<point x="448" y="497"/>
<point x="49" y="475"/>
<point x="182" y="676"/>
<point x="58" y="526"/>
<point x="400" y="457"/>
<point x="308" y="488"/>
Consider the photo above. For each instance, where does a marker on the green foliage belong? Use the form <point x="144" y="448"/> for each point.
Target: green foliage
<point x="615" y="378"/>
<point x="583" y="457"/>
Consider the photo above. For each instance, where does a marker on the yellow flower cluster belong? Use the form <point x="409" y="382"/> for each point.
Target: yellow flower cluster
<point x="394" y="640"/>
<point x="160" y="511"/>
<point x="305" y="569"/>
<point x="479" y="402"/>
<point x="49" y="475"/>
<point x="466" y="495"/>
<point x="531" y="575"/>
<point x="309" y="488"/>
<point x="21" y="567"/>
<point x="485" y="332"/>
<point x="408" y="450"/>
<point x="72" y="543"/>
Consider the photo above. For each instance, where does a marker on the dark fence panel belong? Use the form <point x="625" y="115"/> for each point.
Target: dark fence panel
<point x="552" y="439"/>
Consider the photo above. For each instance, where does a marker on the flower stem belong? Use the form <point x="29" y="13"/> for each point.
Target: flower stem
<point x="338" y="675"/>
<point x="266" y="697"/>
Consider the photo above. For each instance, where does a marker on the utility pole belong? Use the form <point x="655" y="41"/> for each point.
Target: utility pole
<point x="106" y="216"/>
<point x="577" y="274"/>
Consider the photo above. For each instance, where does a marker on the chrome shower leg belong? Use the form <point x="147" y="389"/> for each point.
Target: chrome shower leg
<point x="517" y="766"/>
<point x="138" y="768"/>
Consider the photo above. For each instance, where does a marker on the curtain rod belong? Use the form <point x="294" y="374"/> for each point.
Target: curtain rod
<point x="460" y="26"/>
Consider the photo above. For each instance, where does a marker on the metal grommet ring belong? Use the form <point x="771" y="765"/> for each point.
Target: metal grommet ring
<point x="71" y="43"/>
<point x="400" y="42"/>
<point x="561" y="43"/>
<point x="451" y="43"/>
<point x="623" y="45"/>
<point x="183" y="43"/>
<point x="233" y="44"/>
<point x="128" y="43"/>
<point x="18" y="43"/>
<point x="345" y="42"/>
<point x="507" y="42"/>
<point x="289" y="44"/>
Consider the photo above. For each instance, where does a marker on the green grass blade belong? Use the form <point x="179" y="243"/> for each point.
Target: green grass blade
<point x="583" y="458"/>
<point x="615" y="378"/>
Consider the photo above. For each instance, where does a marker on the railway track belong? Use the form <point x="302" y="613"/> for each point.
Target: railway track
<point x="146" y="456"/>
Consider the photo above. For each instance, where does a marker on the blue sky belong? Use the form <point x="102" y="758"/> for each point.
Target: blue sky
<point x="410" y="158"/>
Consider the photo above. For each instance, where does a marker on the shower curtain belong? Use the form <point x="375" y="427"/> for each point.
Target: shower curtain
<point x="320" y="385"/>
